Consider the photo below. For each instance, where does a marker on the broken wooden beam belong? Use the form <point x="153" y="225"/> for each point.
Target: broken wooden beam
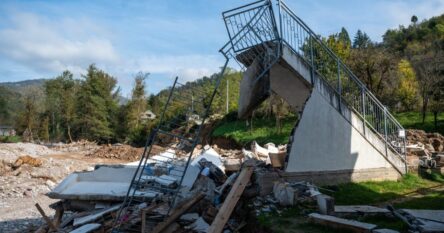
<point x="177" y="213"/>
<point x="145" y="211"/>
<point x="230" y="202"/>
<point x="45" y="217"/>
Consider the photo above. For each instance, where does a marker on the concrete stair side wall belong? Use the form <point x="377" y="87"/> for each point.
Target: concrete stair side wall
<point x="328" y="140"/>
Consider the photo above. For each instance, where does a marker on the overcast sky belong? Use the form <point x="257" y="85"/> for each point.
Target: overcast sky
<point x="40" y="39"/>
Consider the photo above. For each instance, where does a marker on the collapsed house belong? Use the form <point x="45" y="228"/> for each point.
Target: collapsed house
<point x="343" y="134"/>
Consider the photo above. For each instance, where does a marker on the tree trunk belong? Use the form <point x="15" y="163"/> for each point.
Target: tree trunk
<point x="69" y="134"/>
<point x="435" y="116"/>
<point x="424" y="108"/>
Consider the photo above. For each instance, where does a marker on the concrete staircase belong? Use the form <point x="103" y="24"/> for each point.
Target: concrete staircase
<point x="344" y="133"/>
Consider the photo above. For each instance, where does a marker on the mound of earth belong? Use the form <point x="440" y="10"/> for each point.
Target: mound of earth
<point x="120" y="152"/>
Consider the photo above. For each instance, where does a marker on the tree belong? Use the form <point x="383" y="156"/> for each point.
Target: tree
<point x="60" y="104"/>
<point x="97" y="106"/>
<point x="361" y="40"/>
<point x="138" y="103"/>
<point x="407" y="91"/>
<point x="376" y="67"/>
<point x="429" y="68"/>
<point x="414" y="19"/>
<point x="32" y="107"/>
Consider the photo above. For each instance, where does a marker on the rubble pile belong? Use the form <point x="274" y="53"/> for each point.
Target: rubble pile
<point x="213" y="184"/>
<point x="425" y="150"/>
<point x="433" y="142"/>
<point x="220" y="191"/>
<point x="10" y="151"/>
<point x="120" y="152"/>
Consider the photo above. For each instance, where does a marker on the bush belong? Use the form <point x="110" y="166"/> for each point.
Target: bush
<point x="10" y="139"/>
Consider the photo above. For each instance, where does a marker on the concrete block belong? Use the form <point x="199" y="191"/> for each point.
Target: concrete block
<point x="232" y="165"/>
<point x="326" y="204"/>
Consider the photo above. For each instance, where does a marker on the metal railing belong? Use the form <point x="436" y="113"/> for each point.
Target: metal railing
<point x="253" y="33"/>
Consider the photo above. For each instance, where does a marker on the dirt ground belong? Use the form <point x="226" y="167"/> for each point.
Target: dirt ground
<point x="29" y="171"/>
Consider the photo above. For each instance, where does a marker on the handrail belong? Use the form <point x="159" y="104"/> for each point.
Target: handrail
<point x="313" y="35"/>
<point x="335" y="57"/>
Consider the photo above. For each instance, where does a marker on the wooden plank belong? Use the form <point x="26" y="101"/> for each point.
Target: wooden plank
<point x="177" y="213"/>
<point x="58" y="216"/>
<point x="230" y="202"/>
<point x="47" y="220"/>
<point x="145" y="211"/>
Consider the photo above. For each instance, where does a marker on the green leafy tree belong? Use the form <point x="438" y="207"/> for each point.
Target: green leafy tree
<point x="407" y="91"/>
<point x="361" y="40"/>
<point x="97" y="106"/>
<point x="60" y="104"/>
<point x="138" y="103"/>
<point x="32" y="107"/>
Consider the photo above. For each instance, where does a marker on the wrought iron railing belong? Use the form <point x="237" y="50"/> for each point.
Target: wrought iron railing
<point x="253" y="32"/>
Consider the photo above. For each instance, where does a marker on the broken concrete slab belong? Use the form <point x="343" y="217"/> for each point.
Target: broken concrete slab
<point x="190" y="176"/>
<point x="365" y="209"/>
<point x="433" y="215"/>
<point x="427" y="226"/>
<point x="384" y="231"/>
<point x="341" y="223"/>
<point x="165" y="180"/>
<point x="86" y="228"/>
<point x="210" y="155"/>
<point x="104" y="183"/>
<point x="190" y="217"/>
<point x="92" y="217"/>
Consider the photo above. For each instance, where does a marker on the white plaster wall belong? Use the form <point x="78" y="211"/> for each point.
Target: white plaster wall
<point x="325" y="141"/>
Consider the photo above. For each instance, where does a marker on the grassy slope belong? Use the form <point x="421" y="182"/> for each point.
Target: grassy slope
<point x="413" y="120"/>
<point x="371" y="192"/>
<point x="366" y="193"/>
<point x="264" y="131"/>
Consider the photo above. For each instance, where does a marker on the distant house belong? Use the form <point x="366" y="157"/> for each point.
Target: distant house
<point x="148" y="115"/>
<point x="6" y="130"/>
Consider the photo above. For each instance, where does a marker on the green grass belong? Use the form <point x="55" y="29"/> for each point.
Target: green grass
<point x="365" y="193"/>
<point x="374" y="192"/>
<point x="10" y="139"/>
<point x="264" y="131"/>
<point x="413" y="120"/>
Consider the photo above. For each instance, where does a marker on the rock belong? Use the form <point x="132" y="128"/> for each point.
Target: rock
<point x="50" y="183"/>
<point x="438" y="144"/>
<point x="28" y="193"/>
<point x="232" y="165"/>
<point x="429" y="147"/>
<point x="326" y="204"/>
<point x="190" y="217"/>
